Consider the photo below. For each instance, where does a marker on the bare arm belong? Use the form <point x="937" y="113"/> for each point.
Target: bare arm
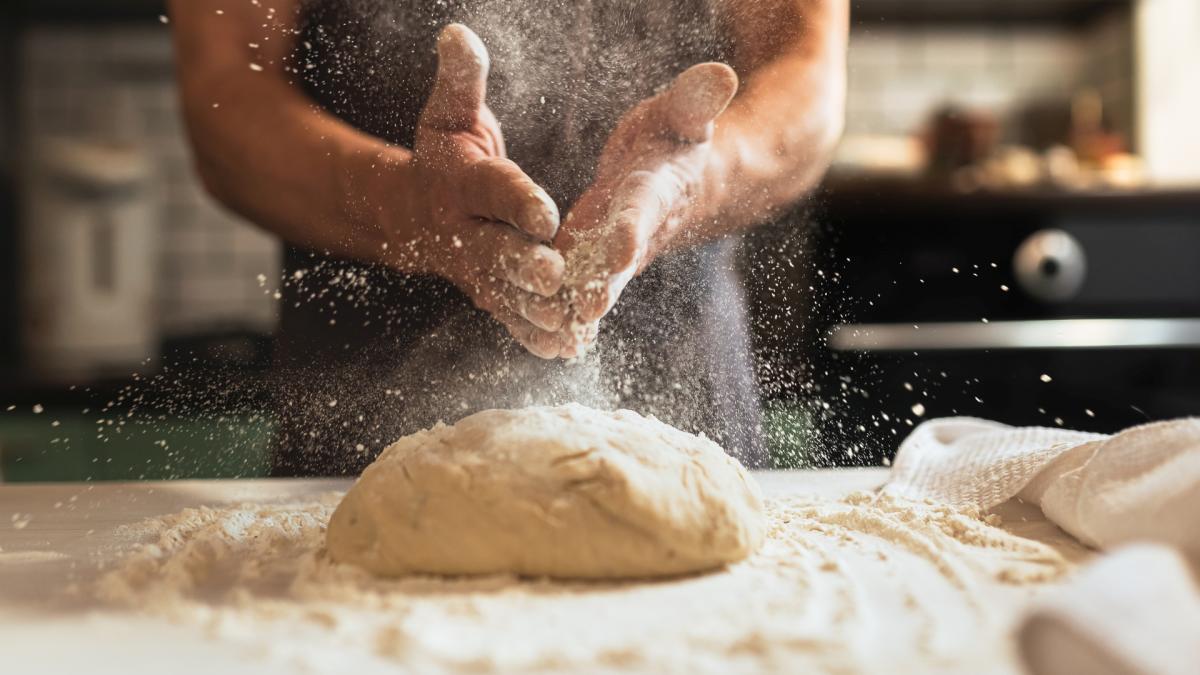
<point x="776" y="138"/>
<point x="262" y="147"/>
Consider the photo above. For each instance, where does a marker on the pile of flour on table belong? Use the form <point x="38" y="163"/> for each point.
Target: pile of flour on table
<point x="865" y="583"/>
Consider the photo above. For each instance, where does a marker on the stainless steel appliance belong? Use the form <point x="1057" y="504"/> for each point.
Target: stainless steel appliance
<point x="1037" y="307"/>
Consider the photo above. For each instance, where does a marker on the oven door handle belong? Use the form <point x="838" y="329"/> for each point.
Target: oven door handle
<point x="1031" y="334"/>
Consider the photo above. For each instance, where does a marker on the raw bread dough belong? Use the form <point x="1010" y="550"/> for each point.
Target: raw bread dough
<point x="562" y="491"/>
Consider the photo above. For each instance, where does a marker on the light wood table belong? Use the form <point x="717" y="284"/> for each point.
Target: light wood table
<point x="53" y="536"/>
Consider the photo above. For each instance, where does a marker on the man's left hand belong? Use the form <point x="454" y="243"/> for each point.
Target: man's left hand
<point x="650" y="184"/>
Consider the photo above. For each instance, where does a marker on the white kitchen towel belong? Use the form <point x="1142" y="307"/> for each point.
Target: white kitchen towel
<point x="1140" y="484"/>
<point x="1135" y="611"/>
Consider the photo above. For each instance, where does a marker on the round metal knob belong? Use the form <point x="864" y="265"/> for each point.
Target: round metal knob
<point x="1050" y="265"/>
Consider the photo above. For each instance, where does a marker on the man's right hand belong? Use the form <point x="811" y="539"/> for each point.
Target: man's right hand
<point x="478" y="220"/>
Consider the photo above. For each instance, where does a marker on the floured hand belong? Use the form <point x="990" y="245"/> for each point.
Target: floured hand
<point x="484" y="224"/>
<point x="650" y="183"/>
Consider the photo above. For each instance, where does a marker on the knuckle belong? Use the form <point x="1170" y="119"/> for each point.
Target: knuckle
<point x="496" y="166"/>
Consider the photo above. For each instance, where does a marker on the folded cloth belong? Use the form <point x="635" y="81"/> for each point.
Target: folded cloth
<point x="1135" y="611"/>
<point x="1140" y="484"/>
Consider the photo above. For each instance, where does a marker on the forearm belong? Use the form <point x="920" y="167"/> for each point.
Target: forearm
<point x="775" y="140"/>
<point x="295" y="172"/>
<point x="265" y="149"/>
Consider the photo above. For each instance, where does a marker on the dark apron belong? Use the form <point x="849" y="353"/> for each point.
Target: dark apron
<point x="367" y="355"/>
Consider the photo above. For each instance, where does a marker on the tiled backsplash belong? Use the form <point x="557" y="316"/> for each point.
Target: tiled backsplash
<point x="899" y="76"/>
<point x="115" y="83"/>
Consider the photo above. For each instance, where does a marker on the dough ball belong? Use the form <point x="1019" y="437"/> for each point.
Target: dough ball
<point x="562" y="491"/>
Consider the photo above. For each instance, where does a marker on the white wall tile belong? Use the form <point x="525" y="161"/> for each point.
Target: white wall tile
<point x="899" y="76"/>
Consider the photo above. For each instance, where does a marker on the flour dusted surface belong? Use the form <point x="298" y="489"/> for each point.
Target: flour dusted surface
<point x="855" y="584"/>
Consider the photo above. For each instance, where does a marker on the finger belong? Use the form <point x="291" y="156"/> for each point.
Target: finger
<point x="506" y="254"/>
<point x="502" y="191"/>
<point x="526" y="264"/>
<point x="460" y="86"/>
<point x="540" y="343"/>
<point x="494" y="299"/>
<point x="600" y="295"/>
<point x="497" y="251"/>
<point x="546" y="313"/>
<point x="700" y="93"/>
<point x="571" y="351"/>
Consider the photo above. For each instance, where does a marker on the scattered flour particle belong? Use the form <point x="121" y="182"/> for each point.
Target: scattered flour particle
<point x="1004" y="287"/>
<point x="162" y="18"/>
<point x="256" y="68"/>
<point x="21" y="520"/>
<point x="37" y="408"/>
<point x="1045" y="378"/>
<point x="1089" y="412"/>
<point x="918" y="409"/>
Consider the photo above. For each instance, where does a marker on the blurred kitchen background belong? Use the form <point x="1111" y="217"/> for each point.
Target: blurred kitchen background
<point x="1011" y="229"/>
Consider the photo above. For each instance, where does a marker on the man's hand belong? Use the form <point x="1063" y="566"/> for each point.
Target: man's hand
<point x="480" y="221"/>
<point x="650" y="183"/>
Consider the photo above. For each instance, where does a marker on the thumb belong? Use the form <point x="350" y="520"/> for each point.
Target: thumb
<point x="461" y="82"/>
<point x="697" y="96"/>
